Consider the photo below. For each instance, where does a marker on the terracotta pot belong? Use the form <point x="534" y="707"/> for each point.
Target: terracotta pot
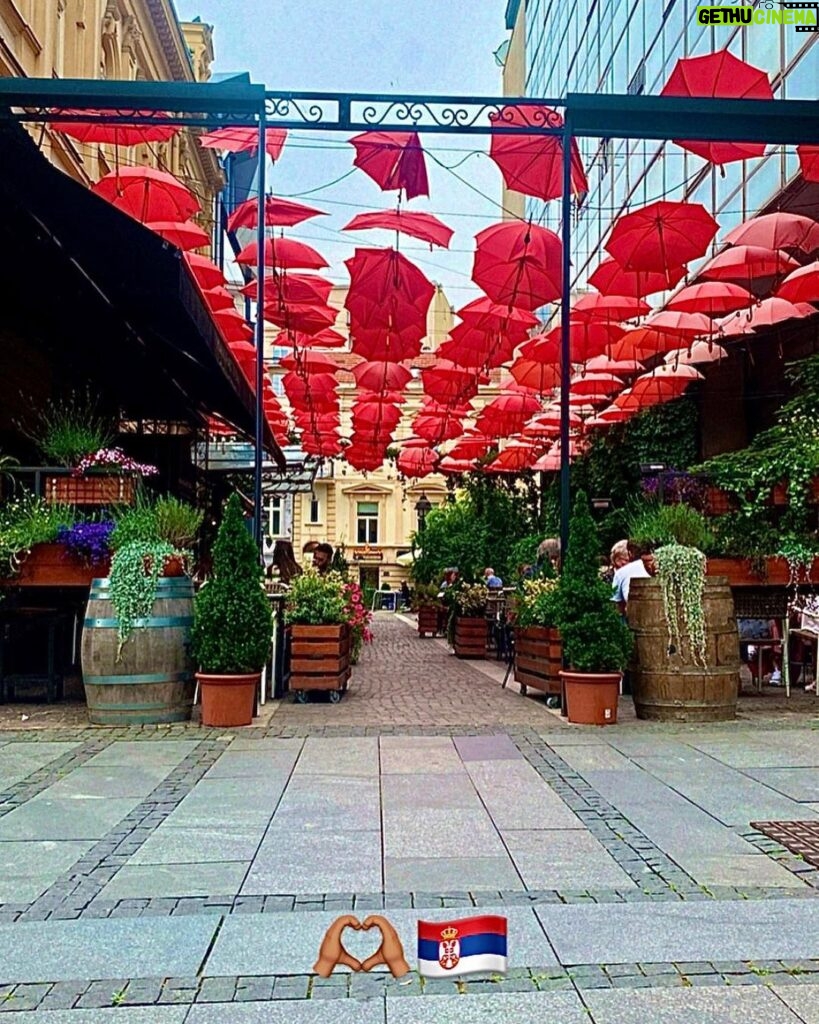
<point x="173" y="566"/>
<point x="591" y="697"/>
<point x="227" y="700"/>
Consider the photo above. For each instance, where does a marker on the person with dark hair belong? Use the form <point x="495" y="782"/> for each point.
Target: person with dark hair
<point x="309" y="548"/>
<point x="322" y="557"/>
<point x="640" y="566"/>
<point x="285" y="561"/>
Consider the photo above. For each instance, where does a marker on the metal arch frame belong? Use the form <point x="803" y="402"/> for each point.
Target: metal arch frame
<point x="238" y="102"/>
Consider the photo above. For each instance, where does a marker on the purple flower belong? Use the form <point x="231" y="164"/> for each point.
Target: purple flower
<point x="87" y="541"/>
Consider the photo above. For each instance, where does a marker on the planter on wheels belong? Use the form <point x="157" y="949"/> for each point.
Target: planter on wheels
<point x="538" y="659"/>
<point x="591" y="697"/>
<point x="320" y="660"/>
<point x="429" y="620"/>
<point x="228" y="700"/>
<point x="470" y="637"/>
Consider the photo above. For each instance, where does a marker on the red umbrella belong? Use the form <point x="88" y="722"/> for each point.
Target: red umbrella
<point x="317" y="392"/>
<point x="699" y="352"/>
<point x="644" y="342"/>
<point x="296" y="288"/>
<point x="777" y="231"/>
<point x="533" y="164"/>
<point x="683" y="325"/>
<point x="390" y="343"/>
<point x="304" y="318"/>
<point x="611" y="279"/>
<point x="456" y="466"/>
<point x="394" y="160"/>
<point x="365" y="456"/>
<point x="187" y="235"/>
<point x="378" y="416"/>
<point x="328" y="338"/>
<point x="417" y="225"/>
<point x="284" y="253"/>
<point x="472" y="347"/>
<point x="447" y="382"/>
<point x="310" y="361"/>
<point x="417" y="461"/>
<point x="622" y="367"/>
<point x="539" y="376"/>
<point x="518" y="264"/>
<point x="115" y="134"/>
<point x="282" y="213"/>
<point x="232" y="324"/>
<point x="660" y="235"/>
<point x="245" y="140"/>
<point x="470" y="445"/>
<point x="387" y="291"/>
<point x="219" y="297"/>
<point x="767" y="313"/>
<point x="436" y="428"/>
<point x="207" y="274"/>
<point x="713" y="298"/>
<point x="381" y="376"/>
<point x="801" y="285"/>
<point x="487" y="315"/>
<point x="147" y="195"/>
<point x="543" y="348"/>
<point x="747" y="263"/>
<point x="808" y="162"/>
<point x="507" y="413"/>
<point x="609" y="307"/>
<point x="610" y="416"/>
<point x="720" y="75"/>
<point x="517" y="456"/>
<point x="587" y="339"/>
<point x="551" y="416"/>
<point x="595" y="384"/>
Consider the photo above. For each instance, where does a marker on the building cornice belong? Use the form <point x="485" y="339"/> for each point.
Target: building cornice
<point x="171" y="39"/>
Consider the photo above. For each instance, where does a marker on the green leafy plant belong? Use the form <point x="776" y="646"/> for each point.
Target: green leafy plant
<point x="135" y="524"/>
<point x="425" y="595"/>
<point x="26" y="520"/>
<point x="595" y="639"/>
<point x="681" y="571"/>
<point x="177" y="522"/>
<point x="315" y="600"/>
<point x="656" y="524"/>
<point x="233" y="624"/>
<point x="535" y="604"/>
<point x="135" y="569"/>
<point x="67" y="429"/>
<point x="468" y="599"/>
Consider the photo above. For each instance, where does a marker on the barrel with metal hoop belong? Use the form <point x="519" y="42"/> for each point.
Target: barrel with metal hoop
<point x="152" y="681"/>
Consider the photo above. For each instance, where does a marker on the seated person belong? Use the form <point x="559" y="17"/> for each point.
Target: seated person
<point x="641" y="566"/>
<point x="492" y="581"/>
<point x="760" y="629"/>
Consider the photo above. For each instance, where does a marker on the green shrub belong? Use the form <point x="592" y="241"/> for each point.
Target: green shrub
<point x="70" y="428"/>
<point x="315" y="600"/>
<point x="650" y="523"/>
<point x="177" y="522"/>
<point x="535" y="603"/>
<point x="232" y="623"/>
<point x="136" y="524"/>
<point x="595" y="639"/>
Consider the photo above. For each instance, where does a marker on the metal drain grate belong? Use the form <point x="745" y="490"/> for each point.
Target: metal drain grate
<point x="800" y="837"/>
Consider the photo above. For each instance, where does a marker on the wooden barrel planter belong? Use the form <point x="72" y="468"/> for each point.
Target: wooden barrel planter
<point x="429" y="619"/>
<point x="152" y="683"/>
<point x="538" y="659"/>
<point x="470" y="637"/>
<point x="320" y="660"/>
<point x="670" y="687"/>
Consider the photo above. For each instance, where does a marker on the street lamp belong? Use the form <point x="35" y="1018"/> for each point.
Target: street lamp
<point x="422" y="507"/>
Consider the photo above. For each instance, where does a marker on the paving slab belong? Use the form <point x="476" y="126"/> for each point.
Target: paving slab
<point x="494" y="747"/>
<point x="799" y="784"/>
<point x="676" y="932"/>
<point x="454" y="790"/>
<point x="273" y="744"/>
<point x="435" y="832"/>
<point x="28" y="868"/>
<point x="715" y="1005"/>
<point x="175" y="844"/>
<point x="803" y="1000"/>
<point x="318" y="803"/>
<point x="450" y="874"/>
<point x="520" y="1007"/>
<point x="549" y="859"/>
<point x="149" y="881"/>
<point x="253" y="764"/>
<point x="288" y="943"/>
<point x="135" y="752"/>
<point x="65" y="818"/>
<point x="108" y="782"/>
<point x="597" y="757"/>
<point x="429" y="758"/>
<point x="773" y="750"/>
<point x="19" y="760"/>
<point x="742" y="869"/>
<point x="294" y="861"/>
<point x="145" y="947"/>
<point x="339" y="756"/>
<point x="516" y="797"/>
<point x="289" y="1011"/>
<point x="229" y="800"/>
<point x="107" y="1015"/>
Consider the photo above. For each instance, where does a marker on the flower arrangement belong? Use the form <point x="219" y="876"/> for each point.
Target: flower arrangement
<point x="358" y="618"/>
<point x="316" y="600"/>
<point x="469" y="599"/>
<point x="89" y="542"/>
<point x="113" y="458"/>
<point x="535" y="605"/>
<point x="681" y="570"/>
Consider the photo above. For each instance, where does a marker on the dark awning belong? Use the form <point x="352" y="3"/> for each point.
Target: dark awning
<point x="101" y="297"/>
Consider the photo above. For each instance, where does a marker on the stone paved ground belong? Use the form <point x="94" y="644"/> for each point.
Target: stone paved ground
<point x="188" y="875"/>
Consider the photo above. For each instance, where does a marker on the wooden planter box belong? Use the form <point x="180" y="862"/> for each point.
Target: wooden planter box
<point x="429" y="619"/>
<point x="94" y="489"/>
<point x="320" y="657"/>
<point x="744" y="572"/>
<point x="538" y="659"/>
<point x="718" y="502"/>
<point x="470" y="637"/>
<point x="51" y="565"/>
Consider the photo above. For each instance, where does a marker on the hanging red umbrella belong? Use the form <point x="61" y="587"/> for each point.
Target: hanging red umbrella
<point x="232" y="324"/>
<point x="542" y="429"/>
<point x="219" y="297"/>
<point x="608" y="417"/>
<point x="309" y="361"/>
<point x="539" y="376"/>
<point x="661" y="235"/>
<point x="613" y="308"/>
<point x="394" y="160"/>
<point x="147" y="195"/>
<point x="747" y="263"/>
<point x="808" y="162"/>
<point x="699" y="352"/>
<point x="328" y="338"/>
<point x="551" y="416"/>
<point x="416" y="462"/>
<point x="388" y="343"/>
<point x="453" y="466"/>
<point x="381" y="376"/>
<point x="518" y="264"/>
<point x="365" y="457"/>
<point x="516" y="457"/>
<point x="387" y="291"/>
<point x="469" y="346"/>
<point x="417" y="225"/>
<point x="303" y="318"/>
<point x="116" y="134"/>
<point x="767" y="313"/>
<point x="470" y="445"/>
<point x="298" y="288"/>
<point x="487" y="315"/>
<point x="621" y="367"/>
<point x="533" y="164"/>
<point x="447" y="382"/>
<point x="777" y="231"/>
<point x="682" y="325"/>
<point x="551" y="462"/>
<point x="713" y="298"/>
<point x="187" y="235"/>
<point x="245" y="140"/>
<point x="801" y="285"/>
<point x="207" y="274"/>
<point x="284" y="253"/>
<point x="435" y="428"/>
<point x="380" y="418"/>
<point x="587" y="339"/>
<point x="282" y="213"/>
<point x="720" y="75"/>
<point x="507" y="414"/>
<point x="644" y="342"/>
<point x="611" y="279"/>
<point x="595" y="384"/>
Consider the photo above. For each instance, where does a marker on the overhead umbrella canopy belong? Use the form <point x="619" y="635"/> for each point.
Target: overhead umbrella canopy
<point x="148" y="195"/>
<point x="245" y="140"/>
<point x="283" y="213"/>
<point x="518" y="264"/>
<point x="661" y="235"/>
<point x="115" y="134"/>
<point x="777" y="231"/>
<point x="713" y="298"/>
<point x="699" y="352"/>
<point x="284" y="253"/>
<point x="747" y="263"/>
<point x="613" y="308"/>
<point x="808" y="162"/>
<point x="394" y="160"/>
<point x="612" y="279"/>
<point x="801" y="285"/>
<point x="418" y="225"/>
<point x="187" y="235"/>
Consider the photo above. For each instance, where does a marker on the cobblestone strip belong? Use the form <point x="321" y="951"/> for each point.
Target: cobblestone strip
<point x="42" y="778"/>
<point x="273" y="987"/>
<point x="806" y="872"/>
<point x="71" y="894"/>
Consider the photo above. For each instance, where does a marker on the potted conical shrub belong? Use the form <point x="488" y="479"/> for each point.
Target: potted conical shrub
<point x="596" y="642"/>
<point x="232" y="625"/>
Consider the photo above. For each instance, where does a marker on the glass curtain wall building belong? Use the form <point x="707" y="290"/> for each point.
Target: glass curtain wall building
<point x="631" y="46"/>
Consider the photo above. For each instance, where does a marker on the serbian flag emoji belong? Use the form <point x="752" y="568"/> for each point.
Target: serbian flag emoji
<point x="449" y="948"/>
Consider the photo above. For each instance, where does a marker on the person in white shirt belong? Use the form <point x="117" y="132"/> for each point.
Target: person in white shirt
<point x="641" y="566"/>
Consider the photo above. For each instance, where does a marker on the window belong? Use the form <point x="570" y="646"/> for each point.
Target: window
<point x="315" y="509"/>
<point x="275" y="517"/>
<point x="367" y="522"/>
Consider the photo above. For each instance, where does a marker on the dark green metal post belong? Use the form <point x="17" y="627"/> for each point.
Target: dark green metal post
<point x="260" y="240"/>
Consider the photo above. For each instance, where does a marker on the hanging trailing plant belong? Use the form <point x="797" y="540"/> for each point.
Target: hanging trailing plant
<point x="135" y="569"/>
<point x="681" y="571"/>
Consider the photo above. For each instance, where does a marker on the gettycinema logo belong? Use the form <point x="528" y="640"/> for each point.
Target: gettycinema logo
<point x="804" y="16"/>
